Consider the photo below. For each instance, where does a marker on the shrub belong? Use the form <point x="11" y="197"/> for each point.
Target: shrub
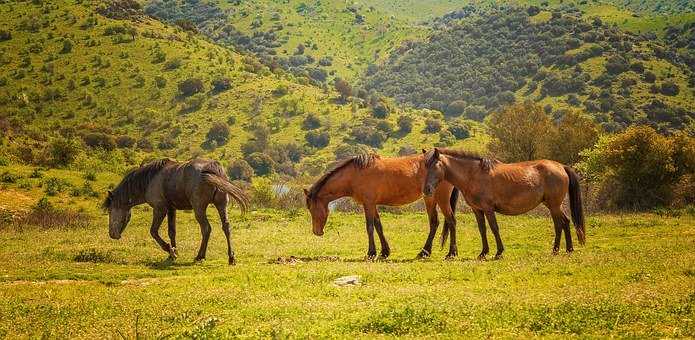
<point x="5" y="35"/>
<point x="144" y="144"/>
<point x="343" y="88"/>
<point x="475" y="112"/>
<point x="649" y="76"/>
<point x="405" y="124"/>
<point x="160" y="82"/>
<point x="446" y="138"/>
<point x="53" y="186"/>
<point x="669" y="88"/>
<point x="456" y="108"/>
<point x="639" y="168"/>
<point x="407" y="150"/>
<point x="575" y="133"/>
<point x="310" y="122"/>
<point x="46" y="216"/>
<point x="369" y="135"/>
<point x="7" y="177"/>
<point x="221" y="84"/>
<point x="239" y="169"/>
<point x="261" y="163"/>
<point x="616" y="65"/>
<point x="190" y="87"/>
<point x="459" y="130"/>
<point x="125" y="141"/>
<point x="348" y="150"/>
<point x="172" y="64"/>
<point x="67" y="46"/>
<point x="280" y="90"/>
<point x="432" y="125"/>
<point x="99" y="140"/>
<point x="380" y="110"/>
<point x="318" y="139"/>
<point x="219" y="132"/>
<point x="63" y="151"/>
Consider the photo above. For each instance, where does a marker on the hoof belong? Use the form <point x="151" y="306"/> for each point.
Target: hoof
<point x="199" y="259"/>
<point x="232" y="261"/>
<point x="371" y="256"/>
<point x="173" y="254"/>
<point x="423" y="254"/>
<point x="451" y="256"/>
<point x="384" y="256"/>
<point x="498" y="256"/>
<point x="482" y="257"/>
<point x="555" y="251"/>
<point x="570" y="251"/>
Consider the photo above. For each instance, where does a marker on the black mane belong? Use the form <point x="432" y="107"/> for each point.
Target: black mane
<point x="360" y="161"/>
<point x="134" y="183"/>
<point x="486" y="163"/>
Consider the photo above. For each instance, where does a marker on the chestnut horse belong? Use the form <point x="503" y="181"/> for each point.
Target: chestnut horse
<point x="167" y="186"/>
<point x="489" y="186"/>
<point x="371" y="180"/>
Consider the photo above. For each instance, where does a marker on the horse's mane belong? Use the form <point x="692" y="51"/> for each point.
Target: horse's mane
<point x="135" y="182"/>
<point x="486" y="163"/>
<point x="360" y="161"/>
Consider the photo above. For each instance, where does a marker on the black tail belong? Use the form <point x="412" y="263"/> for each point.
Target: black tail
<point x="223" y="184"/>
<point x="452" y="202"/>
<point x="576" y="204"/>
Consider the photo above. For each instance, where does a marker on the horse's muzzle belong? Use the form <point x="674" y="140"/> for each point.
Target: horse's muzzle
<point x="318" y="233"/>
<point x="115" y="236"/>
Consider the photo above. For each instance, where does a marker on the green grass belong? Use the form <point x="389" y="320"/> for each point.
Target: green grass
<point x="634" y="278"/>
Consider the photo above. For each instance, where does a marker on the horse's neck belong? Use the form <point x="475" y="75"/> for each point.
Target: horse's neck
<point x="462" y="172"/>
<point x="339" y="185"/>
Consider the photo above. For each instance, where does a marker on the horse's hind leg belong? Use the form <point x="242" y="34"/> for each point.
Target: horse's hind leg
<point x="431" y="208"/>
<point x="480" y="219"/>
<point x="385" y="249"/>
<point x="222" y="210"/>
<point x="171" y="228"/>
<point x="205" y="230"/>
<point x="496" y="231"/>
<point x="562" y="224"/>
<point x="158" y="215"/>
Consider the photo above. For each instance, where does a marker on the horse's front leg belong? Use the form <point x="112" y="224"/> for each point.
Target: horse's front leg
<point x="431" y="208"/>
<point x="480" y="219"/>
<point x="158" y="215"/>
<point x="370" y="216"/>
<point x="171" y="224"/>
<point x="492" y="220"/>
<point x="385" y="249"/>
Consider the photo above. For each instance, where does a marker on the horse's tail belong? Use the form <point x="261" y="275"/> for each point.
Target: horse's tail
<point x="223" y="184"/>
<point x="452" y="202"/>
<point x="576" y="204"/>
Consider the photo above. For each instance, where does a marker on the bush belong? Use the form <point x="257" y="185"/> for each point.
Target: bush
<point x="459" y="130"/>
<point x="345" y="151"/>
<point x="380" y="110"/>
<point x="669" y="88"/>
<point x="240" y="170"/>
<point x="616" y="65"/>
<point x="160" y="82"/>
<point x="369" y="135"/>
<point x="7" y="177"/>
<point x="407" y="150"/>
<point x="261" y="163"/>
<point x="190" y="87"/>
<point x="475" y="112"/>
<point x="456" y="108"/>
<point x="53" y="186"/>
<point x="219" y="132"/>
<point x="649" y="77"/>
<point x="432" y="125"/>
<point x="63" y="151"/>
<point x="46" y="216"/>
<point x="639" y="168"/>
<point x="221" y="84"/>
<point x="318" y="139"/>
<point x="125" y="141"/>
<point x="405" y="124"/>
<point x="311" y="122"/>
<point x="99" y="140"/>
<point x="172" y="64"/>
<point x="5" y="35"/>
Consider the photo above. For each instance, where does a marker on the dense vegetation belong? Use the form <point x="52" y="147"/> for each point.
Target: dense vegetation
<point x="492" y="59"/>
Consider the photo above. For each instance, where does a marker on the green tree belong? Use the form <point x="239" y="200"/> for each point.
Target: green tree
<point x="519" y="132"/>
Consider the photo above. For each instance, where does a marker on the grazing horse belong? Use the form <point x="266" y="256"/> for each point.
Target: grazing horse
<point x="167" y="186"/>
<point x="489" y="186"/>
<point x="371" y="180"/>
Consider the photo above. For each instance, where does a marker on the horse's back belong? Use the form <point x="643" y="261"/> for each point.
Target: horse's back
<point x="390" y="181"/>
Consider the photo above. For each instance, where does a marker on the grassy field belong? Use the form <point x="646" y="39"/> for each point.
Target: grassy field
<point x="634" y="278"/>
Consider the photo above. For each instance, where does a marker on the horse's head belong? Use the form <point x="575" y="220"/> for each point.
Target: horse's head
<point x="319" y="213"/>
<point x="118" y="217"/>
<point x="434" y="172"/>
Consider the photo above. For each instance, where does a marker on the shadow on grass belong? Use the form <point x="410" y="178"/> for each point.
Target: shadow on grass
<point x="169" y="264"/>
<point x="304" y="259"/>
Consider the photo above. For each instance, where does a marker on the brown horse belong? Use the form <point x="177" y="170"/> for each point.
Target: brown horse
<point x="167" y="186"/>
<point x="371" y="180"/>
<point x="489" y="186"/>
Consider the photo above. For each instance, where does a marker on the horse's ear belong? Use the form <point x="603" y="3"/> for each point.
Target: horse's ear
<point x="306" y="192"/>
<point x="436" y="153"/>
<point x="424" y="151"/>
<point x="110" y="193"/>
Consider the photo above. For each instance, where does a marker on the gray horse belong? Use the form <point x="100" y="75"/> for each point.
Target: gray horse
<point x="167" y="186"/>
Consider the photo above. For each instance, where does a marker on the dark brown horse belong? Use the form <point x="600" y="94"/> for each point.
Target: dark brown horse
<point x="167" y="186"/>
<point x="489" y="186"/>
<point x="371" y="180"/>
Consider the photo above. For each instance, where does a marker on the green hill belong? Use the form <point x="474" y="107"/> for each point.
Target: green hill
<point x="129" y="88"/>
<point x="557" y="58"/>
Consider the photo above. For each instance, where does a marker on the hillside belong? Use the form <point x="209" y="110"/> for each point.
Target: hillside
<point x="128" y="87"/>
<point x="556" y="58"/>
